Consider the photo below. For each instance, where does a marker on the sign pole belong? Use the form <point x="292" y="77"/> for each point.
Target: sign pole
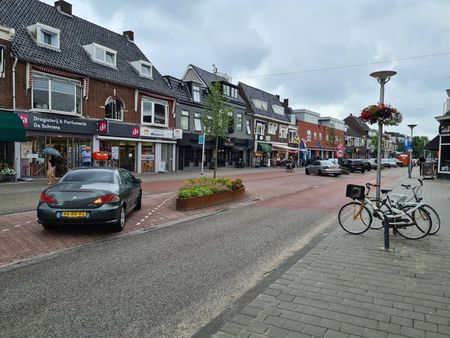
<point x="203" y="152"/>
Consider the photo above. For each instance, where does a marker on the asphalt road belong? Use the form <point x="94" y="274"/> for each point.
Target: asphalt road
<point x="170" y="281"/>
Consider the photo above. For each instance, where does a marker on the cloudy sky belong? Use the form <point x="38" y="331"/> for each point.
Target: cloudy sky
<point x="319" y="54"/>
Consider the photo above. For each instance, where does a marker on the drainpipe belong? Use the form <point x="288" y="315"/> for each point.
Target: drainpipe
<point x="16" y="144"/>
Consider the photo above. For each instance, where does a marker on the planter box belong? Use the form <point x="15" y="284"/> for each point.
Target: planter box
<point x="205" y="201"/>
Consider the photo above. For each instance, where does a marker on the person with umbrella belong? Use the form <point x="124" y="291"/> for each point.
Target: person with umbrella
<point x="51" y="164"/>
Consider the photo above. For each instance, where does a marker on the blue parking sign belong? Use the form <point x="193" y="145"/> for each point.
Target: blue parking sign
<point x="201" y="139"/>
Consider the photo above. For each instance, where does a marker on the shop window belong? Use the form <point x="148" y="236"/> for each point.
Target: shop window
<point x="197" y="122"/>
<point x="239" y="121"/>
<point x="154" y="112"/>
<point x="184" y="120"/>
<point x="445" y="158"/>
<point x="230" y="123"/>
<point x="114" y="109"/>
<point x="54" y="93"/>
<point x="308" y="135"/>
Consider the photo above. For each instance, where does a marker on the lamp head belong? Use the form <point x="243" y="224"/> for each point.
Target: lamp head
<point x="383" y="75"/>
<point x="412" y="125"/>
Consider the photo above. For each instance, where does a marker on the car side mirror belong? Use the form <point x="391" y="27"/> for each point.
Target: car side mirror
<point x="137" y="180"/>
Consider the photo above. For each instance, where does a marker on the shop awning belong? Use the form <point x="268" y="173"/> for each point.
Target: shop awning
<point x="264" y="147"/>
<point x="11" y="127"/>
<point x="433" y="144"/>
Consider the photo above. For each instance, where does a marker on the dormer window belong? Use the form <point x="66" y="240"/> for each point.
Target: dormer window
<point x="101" y="54"/>
<point x="278" y="109"/>
<point x="230" y="91"/>
<point x="196" y="93"/>
<point x="143" y="68"/>
<point x="260" y="104"/>
<point x="45" y="36"/>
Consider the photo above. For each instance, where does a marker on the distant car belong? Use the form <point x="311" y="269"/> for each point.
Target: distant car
<point x="366" y="164"/>
<point x="373" y="164"/>
<point x="323" y="167"/>
<point x="389" y="162"/>
<point x="399" y="162"/>
<point x="354" y="165"/>
<point x="96" y="195"/>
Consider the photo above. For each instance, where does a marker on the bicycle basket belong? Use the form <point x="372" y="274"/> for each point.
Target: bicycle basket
<point x="356" y="192"/>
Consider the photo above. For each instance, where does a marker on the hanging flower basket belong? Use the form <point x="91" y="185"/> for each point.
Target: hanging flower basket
<point x="385" y="114"/>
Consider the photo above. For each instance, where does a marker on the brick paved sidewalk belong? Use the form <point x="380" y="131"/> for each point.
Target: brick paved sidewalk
<point x="347" y="287"/>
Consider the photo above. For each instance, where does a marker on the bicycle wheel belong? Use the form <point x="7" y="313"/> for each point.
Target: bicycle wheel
<point x="419" y="226"/>
<point x="435" y="219"/>
<point x="355" y="218"/>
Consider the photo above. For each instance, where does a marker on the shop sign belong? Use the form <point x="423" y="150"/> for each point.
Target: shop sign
<point x="154" y="132"/>
<point x="121" y="129"/>
<point x="103" y="127"/>
<point x="162" y="167"/>
<point x="57" y="123"/>
<point x="178" y="134"/>
<point x="228" y="142"/>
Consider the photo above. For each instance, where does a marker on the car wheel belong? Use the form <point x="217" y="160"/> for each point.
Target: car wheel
<point x="319" y="173"/>
<point x="306" y="171"/>
<point x="363" y="171"/>
<point x="121" y="223"/>
<point x="48" y="226"/>
<point x="336" y="175"/>
<point x="139" y="202"/>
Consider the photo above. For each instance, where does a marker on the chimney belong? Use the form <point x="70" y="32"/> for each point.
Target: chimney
<point x="286" y="103"/>
<point x="278" y="97"/>
<point x="129" y="35"/>
<point x="63" y="7"/>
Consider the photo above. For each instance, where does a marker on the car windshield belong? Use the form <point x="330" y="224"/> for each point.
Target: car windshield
<point x="97" y="176"/>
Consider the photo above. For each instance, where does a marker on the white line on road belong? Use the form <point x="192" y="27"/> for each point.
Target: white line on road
<point x="16" y="226"/>
<point x="4" y="230"/>
<point x="28" y="222"/>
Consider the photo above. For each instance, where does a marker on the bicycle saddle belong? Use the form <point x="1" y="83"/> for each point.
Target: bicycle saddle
<point x="385" y="191"/>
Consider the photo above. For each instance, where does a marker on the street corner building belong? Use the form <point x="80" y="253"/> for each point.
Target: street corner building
<point x="68" y="84"/>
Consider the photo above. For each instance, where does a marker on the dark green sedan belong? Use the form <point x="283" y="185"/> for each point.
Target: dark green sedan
<point x="94" y="195"/>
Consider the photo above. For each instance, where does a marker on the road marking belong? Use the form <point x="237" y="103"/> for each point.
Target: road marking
<point x="16" y="226"/>
<point x="139" y="223"/>
<point x="146" y="216"/>
<point x="28" y="222"/>
<point x="4" y="230"/>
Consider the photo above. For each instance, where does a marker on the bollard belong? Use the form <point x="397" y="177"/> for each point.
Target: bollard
<point x="386" y="233"/>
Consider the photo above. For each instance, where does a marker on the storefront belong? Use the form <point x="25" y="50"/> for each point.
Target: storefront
<point x="263" y="155"/>
<point x="11" y="130"/>
<point x="69" y="135"/>
<point x="158" y="150"/>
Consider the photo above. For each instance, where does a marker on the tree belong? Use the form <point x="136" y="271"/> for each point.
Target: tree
<point x="216" y="121"/>
<point x="333" y="139"/>
<point x="419" y="142"/>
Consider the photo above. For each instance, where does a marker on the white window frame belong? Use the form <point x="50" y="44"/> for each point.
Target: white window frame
<point x="315" y="136"/>
<point x="248" y="127"/>
<point x="121" y="113"/>
<point x="139" y="65"/>
<point x="234" y="92"/>
<point x="226" y="90"/>
<point x="37" y="32"/>
<point x="308" y="135"/>
<point x="92" y="51"/>
<point x="272" y="129"/>
<point x="2" y="61"/>
<point x="239" y="121"/>
<point x="283" y="132"/>
<point x="146" y="99"/>
<point x="185" y="114"/>
<point x="198" y="119"/>
<point x="196" y="89"/>
<point x="260" y="104"/>
<point x="50" y="110"/>
<point x="292" y="135"/>
<point x="320" y="136"/>
<point x="260" y="127"/>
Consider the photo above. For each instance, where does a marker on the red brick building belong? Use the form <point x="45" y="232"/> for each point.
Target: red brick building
<point x="320" y="136"/>
<point x="75" y="84"/>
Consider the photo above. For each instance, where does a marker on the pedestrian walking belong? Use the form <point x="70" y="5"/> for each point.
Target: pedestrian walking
<point x="51" y="169"/>
<point x="86" y="157"/>
<point x="421" y="161"/>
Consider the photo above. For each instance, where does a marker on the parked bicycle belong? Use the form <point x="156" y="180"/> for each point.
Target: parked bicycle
<point x="411" y="222"/>
<point x="416" y="198"/>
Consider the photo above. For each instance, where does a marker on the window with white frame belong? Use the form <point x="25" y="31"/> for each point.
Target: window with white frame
<point x="114" y="109"/>
<point x="45" y="36"/>
<point x="197" y="122"/>
<point x="143" y="68"/>
<point x="2" y="61"/>
<point x="315" y="136"/>
<point x="234" y="92"/>
<point x="327" y="137"/>
<point x="196" y="93"/>
<point x="308" y="135"/>
<point x="260" y="104"/>
<point x="260" y="128"/>
<point x="56" y="93"/>
<point x="320" y="136"/>
<point x="273" y="127"/>
<point x="226" y="90"/>
<point x="154" y="112"/>
<point x="239" y="121"/>
<point x="184" y="120"/>
<point x="101" y="54"/>
<point x="293" y="136"/>
<point x="283" y="131"/>
<point x="248" y="126"/>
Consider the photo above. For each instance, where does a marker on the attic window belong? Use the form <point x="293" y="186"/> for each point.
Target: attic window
<point x="260" y="104"/>
<point x="45" y="36"/>
<point x="101" y="54"/>
<point x="278" y="109"/>
<point x="143" y="68"/>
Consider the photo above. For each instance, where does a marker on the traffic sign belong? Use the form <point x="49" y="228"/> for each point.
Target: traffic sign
<point x="201" y="139"/>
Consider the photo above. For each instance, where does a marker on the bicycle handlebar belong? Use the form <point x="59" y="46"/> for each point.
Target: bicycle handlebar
<point x="368" y="185"/>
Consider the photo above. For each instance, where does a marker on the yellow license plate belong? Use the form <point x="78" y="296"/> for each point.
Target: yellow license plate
<point x="74" y="214"/>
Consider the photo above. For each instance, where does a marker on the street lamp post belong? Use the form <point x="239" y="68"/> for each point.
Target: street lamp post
<point x="382" y="77"/>
<point x="412" y="126"/>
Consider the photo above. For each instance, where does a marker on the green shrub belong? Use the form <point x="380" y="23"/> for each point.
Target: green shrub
<point x="203" y="186"/>
<point x="345" y="171"/>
